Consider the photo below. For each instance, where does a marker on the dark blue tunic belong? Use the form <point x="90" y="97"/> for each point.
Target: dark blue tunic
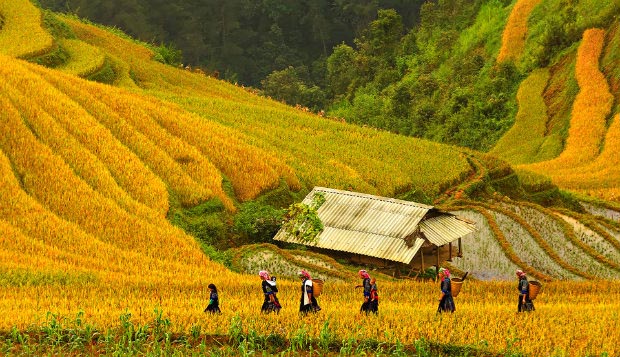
<point x="447" y="301"/>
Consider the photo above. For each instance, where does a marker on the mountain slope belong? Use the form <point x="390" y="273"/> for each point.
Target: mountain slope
<point x="99" y="165"/>
<point x="173" y="136"/>
<point x="584" y="163"/>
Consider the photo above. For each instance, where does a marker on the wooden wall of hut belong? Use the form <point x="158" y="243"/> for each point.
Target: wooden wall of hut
<point x="427" y="251"/>
<point x="427" y="256"/>
<point x="366" y="260"/>
<point x="357" y="258"/>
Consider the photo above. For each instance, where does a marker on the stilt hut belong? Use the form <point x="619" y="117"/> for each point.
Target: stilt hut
<point x="385" y="232"/>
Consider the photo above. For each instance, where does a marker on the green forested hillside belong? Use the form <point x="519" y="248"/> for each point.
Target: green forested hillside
<point x="244" y="40"/>
<point x="445" y="82"/>
<point x="425" y="68"/>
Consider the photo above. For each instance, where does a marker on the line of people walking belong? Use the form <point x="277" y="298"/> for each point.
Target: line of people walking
<point x="307" y="301"/>
<point x="370" y="304"/>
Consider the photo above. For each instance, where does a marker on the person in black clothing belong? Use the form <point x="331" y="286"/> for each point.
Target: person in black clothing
<point x="307" y="302"/>
<point x="525" y="304"/>
<point x="270" y="290"/>
<point x="446" y="301"/>
<point x="366" y="306"/>
<point x="214" y="301"/>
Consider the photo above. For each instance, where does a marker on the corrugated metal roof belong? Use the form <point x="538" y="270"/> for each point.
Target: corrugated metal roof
<point x="372" y="245"/>
<point x="377" y="226"/>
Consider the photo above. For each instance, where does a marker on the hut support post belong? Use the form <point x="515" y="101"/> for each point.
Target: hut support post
<point x="460" y="249"/>
<point x="450" y="252"/>
<point x="422" y="256"/>
<point x="437" y="260"/>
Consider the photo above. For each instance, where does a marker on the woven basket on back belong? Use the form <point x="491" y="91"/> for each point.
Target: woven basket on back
<point x="534" y="289"/>
<point x="456" y="286"/>
<point x="317" y="287"/>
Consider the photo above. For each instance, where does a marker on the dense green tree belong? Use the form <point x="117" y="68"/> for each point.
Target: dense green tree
<point x="289" y="85"/>
<point x="383" y="36"/>
<point x="340" y="72"/>
<point x="560" y="32"/>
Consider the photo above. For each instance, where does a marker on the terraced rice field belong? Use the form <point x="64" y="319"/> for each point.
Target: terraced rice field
<point x="88" y="172"/>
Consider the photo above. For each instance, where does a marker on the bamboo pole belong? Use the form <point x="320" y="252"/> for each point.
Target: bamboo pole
<point x="437" y="260"/>
<point x="422" y="256"/>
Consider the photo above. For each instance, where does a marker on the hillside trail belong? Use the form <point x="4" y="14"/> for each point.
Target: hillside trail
<point x="459" y="191"/>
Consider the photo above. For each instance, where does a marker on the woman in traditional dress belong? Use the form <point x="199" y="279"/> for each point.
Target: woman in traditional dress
<point x="214" y="301"/>
<point x="270" y="291"/>
<point x="446" y="302"/>
<point x="307" y="302"/>
<point x="367" y="288"/>
<point x="525" y="304"/>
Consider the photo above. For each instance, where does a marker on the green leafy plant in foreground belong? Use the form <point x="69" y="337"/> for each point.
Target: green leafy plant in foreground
<point x="302" y="220"/>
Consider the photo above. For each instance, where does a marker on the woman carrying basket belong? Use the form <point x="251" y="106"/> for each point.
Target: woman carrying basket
<point x="446" y="302"/>
<point x="308" y="302"/>
<point x="525" y="303"/>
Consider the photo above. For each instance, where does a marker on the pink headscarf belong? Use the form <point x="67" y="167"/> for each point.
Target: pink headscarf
<point x="364" y="274"/>
<point x="264" y="274"/>
<point x="445" y="272"/>
<point x="520" y="273"/>
<point x="304" y="273"/>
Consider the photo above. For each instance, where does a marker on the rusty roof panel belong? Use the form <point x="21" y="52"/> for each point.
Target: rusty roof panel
<point x="445" y="229"/>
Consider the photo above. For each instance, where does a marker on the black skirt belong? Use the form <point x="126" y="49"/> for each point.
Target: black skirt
<point x="269" y="306"/>
<point x="313" y="306"/>
<point x="213" y="308"/>
<point x="446" y="304"/>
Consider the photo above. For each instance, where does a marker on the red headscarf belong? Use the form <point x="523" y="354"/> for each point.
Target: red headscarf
<point x="364" y="274"/>
<point x="305" y="274"/>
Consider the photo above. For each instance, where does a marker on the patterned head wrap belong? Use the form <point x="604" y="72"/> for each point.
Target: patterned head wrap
<point x="304" y="274"/>
<point x="520" y="273"/>
<point x="264" y="274"/>
<point x="364" y="274"/>
<point x="445" y="272"/>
